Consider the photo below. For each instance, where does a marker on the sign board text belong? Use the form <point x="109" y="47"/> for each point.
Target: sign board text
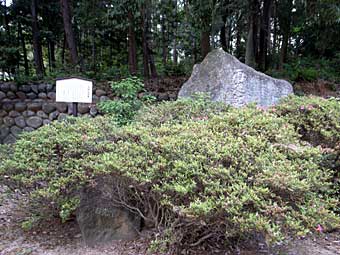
<point x="74" y="91"/>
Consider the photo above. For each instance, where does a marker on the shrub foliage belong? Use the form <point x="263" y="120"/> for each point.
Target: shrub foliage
<point x="200" y="173"/>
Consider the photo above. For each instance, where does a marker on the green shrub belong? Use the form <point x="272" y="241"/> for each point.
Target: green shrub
<point x="210" y="177"/>
<point x="317" y="120"/>
<point x="46" y="163"/>
<point x="199" y="108"/>
<point x="125" y="108"/>
<point x="309" y="69"/>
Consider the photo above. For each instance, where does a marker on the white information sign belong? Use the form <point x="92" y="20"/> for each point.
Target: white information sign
<point x="74" y="91"/>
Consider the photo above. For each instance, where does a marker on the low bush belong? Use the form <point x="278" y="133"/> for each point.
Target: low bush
<point x="309" y="69"/>
<point x="128" y="102"/>
<point x="317" y="120"/>
<point x="202" y="178"/>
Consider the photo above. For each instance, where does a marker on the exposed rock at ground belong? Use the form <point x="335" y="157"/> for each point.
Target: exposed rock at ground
<point x="228" y="80"/>
<point x="100" y="220"/>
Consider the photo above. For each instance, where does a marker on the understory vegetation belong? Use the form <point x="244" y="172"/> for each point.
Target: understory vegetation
<point x="201" y="173"/>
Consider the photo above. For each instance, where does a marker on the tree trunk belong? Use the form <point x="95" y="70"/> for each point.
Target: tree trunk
<point x="37" y="49"/>
<point x="251" y="47"/>
<point x="132" y="51"/>
<point x="264" y="34"/>
<point x="205" y="43"/>
<point x="175" y="25"/>
<point x="148" y="59"/>
<point x="94" y="52"/>
<point x="63" y="50"/>
<point x="24" y="50"/>
<point x="53" y="60"/>
<point x="70" y="38"/>
<point x="285" y="25"/>
<point x="164" y="41"/>
<point x="230" y="36"/>
<point x="223" y="36"/>
<point x="238" y="35"/>
<point x="146" y="70"/>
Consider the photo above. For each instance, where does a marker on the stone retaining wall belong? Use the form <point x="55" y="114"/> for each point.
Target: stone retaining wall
<point x="28" y="107"/>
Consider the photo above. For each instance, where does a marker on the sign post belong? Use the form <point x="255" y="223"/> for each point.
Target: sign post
<point x="74" y="90"/>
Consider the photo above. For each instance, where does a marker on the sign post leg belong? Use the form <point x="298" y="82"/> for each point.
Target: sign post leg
<point x="75" y="109"/>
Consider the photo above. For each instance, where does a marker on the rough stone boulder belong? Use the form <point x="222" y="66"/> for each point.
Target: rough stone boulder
<point x="101" y="220"/>
<point x="228" y="80"/>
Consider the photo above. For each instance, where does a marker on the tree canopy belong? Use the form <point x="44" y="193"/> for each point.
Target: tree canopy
<point x="156" y="37"/>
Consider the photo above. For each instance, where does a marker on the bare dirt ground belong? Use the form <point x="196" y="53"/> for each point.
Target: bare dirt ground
<point x="54" y="238"/>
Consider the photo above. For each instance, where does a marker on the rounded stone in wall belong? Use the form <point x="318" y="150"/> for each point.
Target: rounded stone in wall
<point x="95" y="99"/>
<point x="13" y="114"/>
<point x="42" y="95"/>
<point x="21" y="95"/>
<point x="13" y="87"/>
<point x="42" y="87"/>
<point x="51" y="95"/>
<point x="28" y="113"/>
<point x="11" y="95"/>
<point x="4" y="131"/>
<point x="20" y="121"/>
<point x="3" y="113"/>
<point x="34" y="88"/>
<point x="25" y="88"/>
<point x="28" y="129"/>
<point x="100" y="92"/>
<point x="10" y="139"/>
<point x="53" y="115"/>
<point x="16" y="131"/>
<point x="93" y="111"/>
<point x="62" y="116"/>
<point x="20" y="107"/>
<point x="8" y="106"/>
<point x="2" y="95"/>
<point x="31" y="95"/>
<point x="34" y="122"/>
<point x="49" y="87"/>
<point x="5" y="87"/>
<point x="61" y="107"/>
<point x="69" y="108"/>
<point x="34" y="106"/>
<point x="104" y="98"/>
<point x="42" y="114"/>
<point x="8" y="121"/>
<point x="48" y="107"/>
<point x="83" y="108"/>
<point x="46" y="122"/>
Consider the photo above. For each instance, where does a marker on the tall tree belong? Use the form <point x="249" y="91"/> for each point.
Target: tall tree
<point x="69" y="34"/>
<point x="251" y="48"/>
<point x="264" y="34"/>
<point x="132" y="50"/>
<point x="37" y="48"/>
<point x="148" y="59"/>
<point x="285" y="27"/>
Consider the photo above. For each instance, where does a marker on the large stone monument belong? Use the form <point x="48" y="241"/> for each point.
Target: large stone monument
<point x="228" y="80"/>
